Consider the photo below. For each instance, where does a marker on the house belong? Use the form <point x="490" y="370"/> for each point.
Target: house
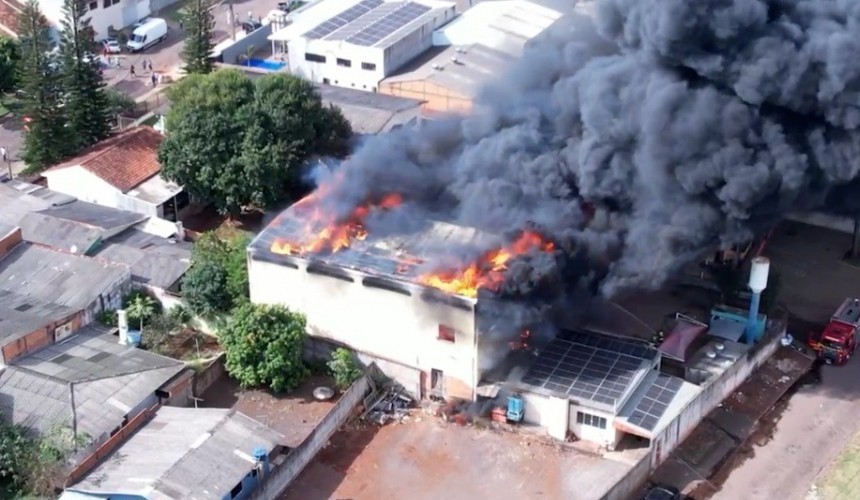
<point x="186" y="453"/>
<point x="104" y="14"/>
<point x="150" y="247"/>
<point x="122" y="172"/>
<point x="46" y="295"/>
<point x="87" y="386"/>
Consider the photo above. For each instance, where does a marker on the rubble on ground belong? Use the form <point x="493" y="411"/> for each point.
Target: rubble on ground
<point x="391" y="405"/>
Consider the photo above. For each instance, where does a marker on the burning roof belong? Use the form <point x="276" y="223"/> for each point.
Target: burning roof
<point x="455" y="259"/>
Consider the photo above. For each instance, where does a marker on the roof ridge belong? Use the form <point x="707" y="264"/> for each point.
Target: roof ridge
<point x="125" y="374"/>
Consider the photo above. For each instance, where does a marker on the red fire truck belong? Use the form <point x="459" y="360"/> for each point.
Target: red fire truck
<point x="837" y="342"/>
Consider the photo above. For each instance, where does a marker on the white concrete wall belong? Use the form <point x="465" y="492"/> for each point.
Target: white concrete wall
<point x="375" y="321"/>
<point x="351" y="77"/>
<point x="119" y="15"/>
<point x="604" y="437"/>
<point x="83" y="185"/>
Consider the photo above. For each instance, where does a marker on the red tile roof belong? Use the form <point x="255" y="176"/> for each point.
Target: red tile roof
<point x="123" y="161"/>
<point x="9" y="12"/>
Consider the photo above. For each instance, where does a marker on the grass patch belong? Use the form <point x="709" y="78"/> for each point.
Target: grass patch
<point x="8" y="104"/>
<point x="3" y="110"/>
<point x="841" y="479"/>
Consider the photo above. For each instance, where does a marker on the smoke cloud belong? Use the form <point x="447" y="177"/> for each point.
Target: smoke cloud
<point x="688" y="124"/>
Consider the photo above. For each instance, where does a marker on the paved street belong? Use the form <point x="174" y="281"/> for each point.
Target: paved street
<point x="820" y="418"/>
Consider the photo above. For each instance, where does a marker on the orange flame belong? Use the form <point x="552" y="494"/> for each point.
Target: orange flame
<point x="522" y="343"/>
<point x="327" y="235"/>
<point x="488" y="271"/>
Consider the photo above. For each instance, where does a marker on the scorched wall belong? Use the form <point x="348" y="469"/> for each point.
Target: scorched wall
<point x="402" y="327"/>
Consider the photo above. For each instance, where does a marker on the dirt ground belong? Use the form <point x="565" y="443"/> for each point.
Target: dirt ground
<point x="294" y="414"/>
<point x="191" y="344"/>
<point x="424" y="458"/>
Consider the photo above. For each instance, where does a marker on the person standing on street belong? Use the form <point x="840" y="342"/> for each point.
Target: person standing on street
<point x="3" y="154"/>
<point x="131" y="71"/>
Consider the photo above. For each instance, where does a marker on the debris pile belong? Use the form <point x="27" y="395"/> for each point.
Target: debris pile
<point x="392" y="404"/>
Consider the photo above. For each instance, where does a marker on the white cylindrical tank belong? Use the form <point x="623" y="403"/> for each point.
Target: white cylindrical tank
<point x="122" y="321"/>
<point x="758" y="274"/>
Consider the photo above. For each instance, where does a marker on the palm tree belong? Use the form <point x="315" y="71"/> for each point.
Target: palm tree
<point x="141" y="306"/>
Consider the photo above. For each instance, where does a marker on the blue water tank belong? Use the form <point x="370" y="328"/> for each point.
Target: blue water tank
<point x="515" y="408"/>
<point x="134" y="337"/>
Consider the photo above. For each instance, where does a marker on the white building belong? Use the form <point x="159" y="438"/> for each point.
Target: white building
<point x="357" y="43"/>
<point x="103" y="14"/>
<point x="122" y="172"/>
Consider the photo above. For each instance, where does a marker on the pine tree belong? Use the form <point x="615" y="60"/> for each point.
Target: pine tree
<point x="87" y="108"/>
<point x="199" y="23"/>
<point x="46" y="139"/>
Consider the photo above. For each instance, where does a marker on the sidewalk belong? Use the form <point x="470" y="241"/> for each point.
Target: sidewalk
<point x="841" y="479"/>
<point x="712" y="450"/>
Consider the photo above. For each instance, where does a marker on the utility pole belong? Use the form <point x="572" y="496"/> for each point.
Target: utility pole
<point x="232" y="19"/>
<point x="855" y="243"/>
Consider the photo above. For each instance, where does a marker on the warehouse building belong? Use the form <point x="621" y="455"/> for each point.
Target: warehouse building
<point x="367" y="297"/>
<point x="469" y="52"/>
<point x="363" y="42"/>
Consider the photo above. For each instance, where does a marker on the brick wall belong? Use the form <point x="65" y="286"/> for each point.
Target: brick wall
<point x="38" y="338"/>
<point x="11" y="240"/>
<point x="108" y="446"/>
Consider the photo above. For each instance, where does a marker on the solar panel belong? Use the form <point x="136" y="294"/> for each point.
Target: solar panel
<point x="342" y="19"/>
<point x="388" y="24"/>
<point x="653" y="405"/>
<point x="588" y="366"/>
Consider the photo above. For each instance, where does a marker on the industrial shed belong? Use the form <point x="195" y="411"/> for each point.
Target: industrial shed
<point x="474" y="49"/>
<point x="367" y="297"/>
<point x="356" y="43"/>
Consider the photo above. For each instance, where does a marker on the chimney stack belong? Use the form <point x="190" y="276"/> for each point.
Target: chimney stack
<point x="757" y="283"/>
<point x="122" y="320"/>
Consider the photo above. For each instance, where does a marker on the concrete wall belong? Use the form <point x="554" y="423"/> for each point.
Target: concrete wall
<point x="604" y="437"/>
<point x="259" y="39"/>
<point x="302" y="455"/>
<point x="382" y="323"/>
<point x="83" y="185"/>
<point x="157" y="5"/>
<point x="330" y="71"/>
<point x="437" y="99"/>
<point x="204" y="378"/>
<point x="411" y="379"/>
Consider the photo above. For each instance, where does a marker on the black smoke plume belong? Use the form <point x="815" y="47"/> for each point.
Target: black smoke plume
<point x="689" y="124"/>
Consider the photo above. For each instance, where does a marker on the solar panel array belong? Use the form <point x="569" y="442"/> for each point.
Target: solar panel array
<point x="588" y="366"/>
<point x="656" y="400"/>
<point x="383" y="28"/>
<point x="339" y="21"/>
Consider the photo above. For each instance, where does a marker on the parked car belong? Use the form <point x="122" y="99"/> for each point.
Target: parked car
<point x="111" y="46"/>
<point x="663" y="493"/>
<point x="249" y="26"/>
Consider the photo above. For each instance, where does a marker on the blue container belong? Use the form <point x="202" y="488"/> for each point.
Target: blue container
<point x="515" y="408"/>
<point x="134" y="337"/>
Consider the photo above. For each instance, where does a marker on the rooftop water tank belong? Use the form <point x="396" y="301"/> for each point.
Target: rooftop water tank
<point x="758" y="274"/>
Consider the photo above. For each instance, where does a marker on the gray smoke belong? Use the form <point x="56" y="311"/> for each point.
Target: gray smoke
<point x="689" y="124"/>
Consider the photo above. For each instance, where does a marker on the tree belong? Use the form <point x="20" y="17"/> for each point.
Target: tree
<point x="87" y="107"/>
<point x="141" y="307"/>
<point x="46" y="140"/>
<point x="235" y="143"/>
<point x="218" y="278"/>
<point x="199" y="24"/>
<point x="10" y="54"/>
<point x="343" y="368"/>
<point x="263" y="347"/>
<point x="16" y="454"/>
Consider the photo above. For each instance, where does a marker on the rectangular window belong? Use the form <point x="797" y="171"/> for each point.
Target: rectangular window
<point x="314" y="57"/>
<point x="94" y="5"/>
<point x="446" y="333"/>
<point x="346" y="63"/>
<point x="368" y="66"/>
<point x="114" y="2"/>
<point x="105" y="3"/>
<point x="590" y="420"/>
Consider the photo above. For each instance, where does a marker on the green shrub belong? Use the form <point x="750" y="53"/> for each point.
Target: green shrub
<point x="344" y="368"/>
<point x="108" y="319"/>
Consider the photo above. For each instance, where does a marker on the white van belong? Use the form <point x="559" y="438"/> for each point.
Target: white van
<point x="147" y="34"/>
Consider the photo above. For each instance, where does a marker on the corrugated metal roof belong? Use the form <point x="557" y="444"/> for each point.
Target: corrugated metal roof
<point x="183" y="453"/>
<point x="89" y="377"/>
<point x="153" y="260"/>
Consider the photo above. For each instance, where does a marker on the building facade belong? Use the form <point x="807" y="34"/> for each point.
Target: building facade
<point x="363" y="42"/>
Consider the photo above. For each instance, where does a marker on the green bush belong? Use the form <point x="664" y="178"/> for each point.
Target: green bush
<point x="181" y="314"/>
<point x="108" y="319"/>
<point x="263" y="347"/>
<point x="344" y="368"/>
<point x="141" y="307"/>
<point x="218" y="279"/>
